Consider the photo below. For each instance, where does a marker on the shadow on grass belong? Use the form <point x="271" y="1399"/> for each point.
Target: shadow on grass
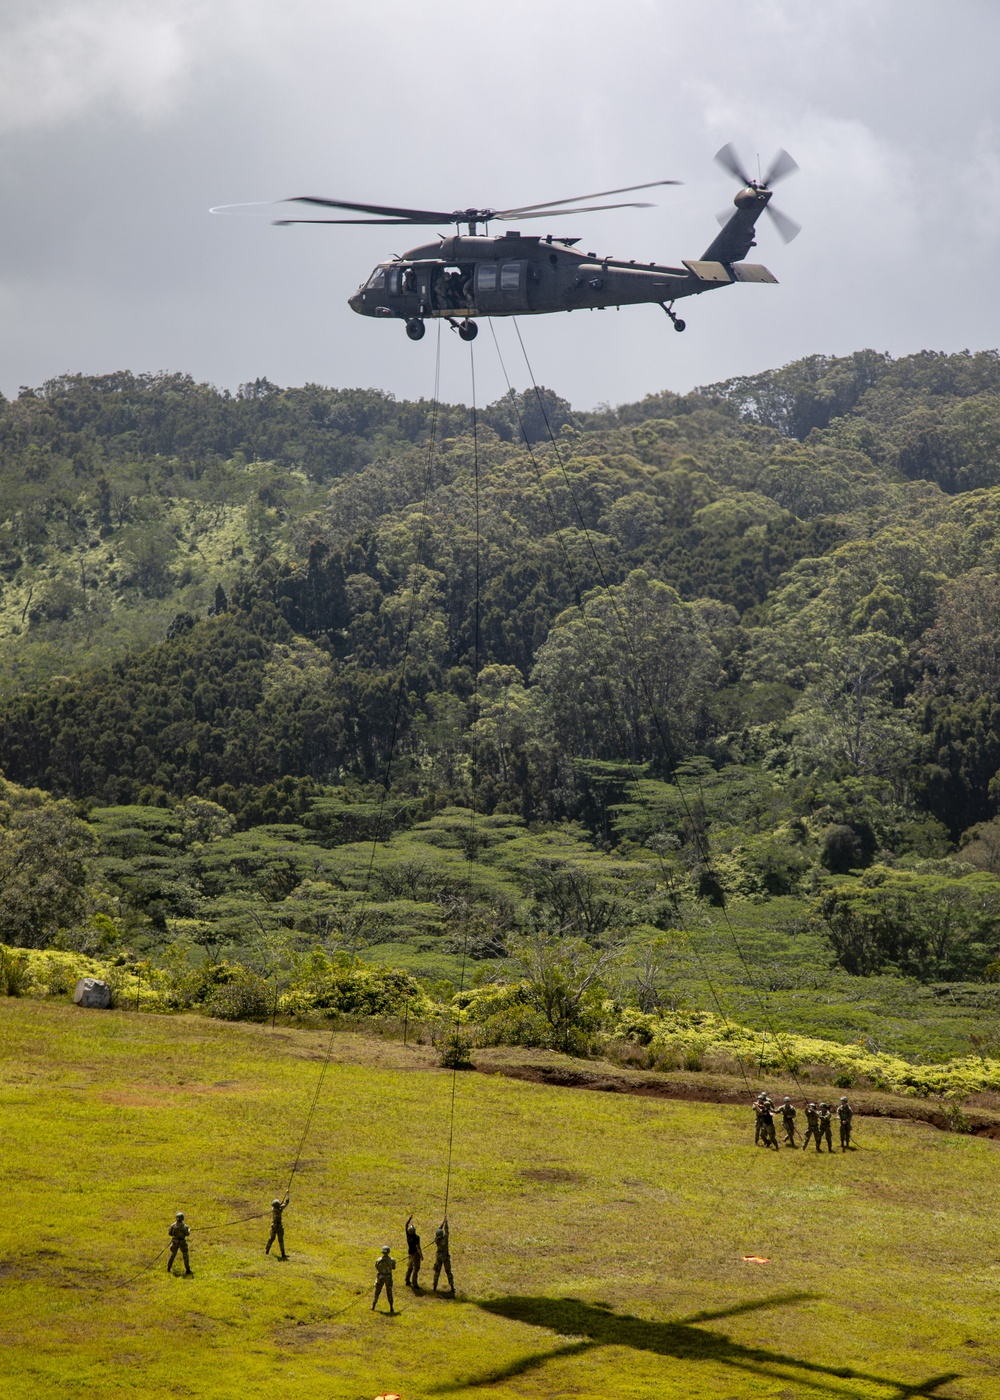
<point x="594" y="1326"/>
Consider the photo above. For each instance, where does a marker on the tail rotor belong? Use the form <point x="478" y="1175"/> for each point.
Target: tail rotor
<point x="758" y="192"/>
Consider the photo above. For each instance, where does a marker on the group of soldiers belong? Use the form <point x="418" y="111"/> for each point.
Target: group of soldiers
<point x="385" y="1263"/>
<point x="179" y="1232"/>
<point x="819" y="1119"/>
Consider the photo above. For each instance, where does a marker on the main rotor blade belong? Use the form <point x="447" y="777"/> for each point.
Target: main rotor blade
<point x="415" y="216"/>
<point x="730" y="161"/>
<point x="787" y="227"/>
<point x="782" y="165"/>
<point x="558" y="213"/>
<point x="598" y="194"/>
<point x="279" y="223"/>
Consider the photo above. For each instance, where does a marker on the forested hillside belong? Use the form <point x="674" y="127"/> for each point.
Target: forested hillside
<point x="720" y="674"/>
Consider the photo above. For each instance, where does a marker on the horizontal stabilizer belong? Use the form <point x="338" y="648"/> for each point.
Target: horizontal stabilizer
<point x="708" y="271"/>
<point x="752" y="272"/>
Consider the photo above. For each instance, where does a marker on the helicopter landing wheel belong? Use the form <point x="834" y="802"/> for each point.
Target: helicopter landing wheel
<point x="680" y="325"/>
<point x="415" y="329"/>
<point x="468" y="330"/>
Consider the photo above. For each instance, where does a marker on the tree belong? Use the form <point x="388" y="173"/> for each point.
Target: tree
<point x="45" y="854"/>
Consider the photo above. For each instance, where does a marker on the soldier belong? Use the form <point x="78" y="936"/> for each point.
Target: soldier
<point x="825" y="1117"/>
<point x="758" y="1109"/>
<point x="845" y="1113"/>
<point x="178" y="1233"/>
<point x="442" y="1259"/>
<point x="767" y="1115"/>
<point x="414" y="1256"/>
<point x="277" y="1227"/>
<point x="812" y="1126"/>
<point x="384" y="1266"/>
<point x="788" y="1120"/>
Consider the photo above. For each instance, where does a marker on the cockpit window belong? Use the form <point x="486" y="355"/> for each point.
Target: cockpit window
<point x="376" y="282"/>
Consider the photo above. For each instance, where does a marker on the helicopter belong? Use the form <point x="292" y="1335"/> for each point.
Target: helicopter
<point x="467" y="275"/>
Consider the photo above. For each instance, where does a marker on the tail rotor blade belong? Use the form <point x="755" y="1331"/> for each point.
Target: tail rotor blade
<point x="787" y="228"/>
<point x="730" y="161"/>
<point x="782" y="165"/>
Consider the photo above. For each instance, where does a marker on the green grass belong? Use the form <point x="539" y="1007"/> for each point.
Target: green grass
<point x="597" y="1239"/>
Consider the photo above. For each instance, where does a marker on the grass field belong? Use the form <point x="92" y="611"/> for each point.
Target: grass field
<point x="597" y="1239"/>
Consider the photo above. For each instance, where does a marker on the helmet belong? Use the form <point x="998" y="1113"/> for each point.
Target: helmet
<point x="787" y="1099"/>
<point x="180" y="1215"/>
<point x="385" y="1249"/>
<point x="843" y="1098"/>
<point x="812" y="1105"/>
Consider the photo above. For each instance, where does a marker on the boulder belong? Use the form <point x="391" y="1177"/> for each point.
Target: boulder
<point x="91" y="992"/>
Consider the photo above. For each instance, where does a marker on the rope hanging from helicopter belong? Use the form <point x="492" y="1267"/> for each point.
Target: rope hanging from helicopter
<point x="658" y="720"/>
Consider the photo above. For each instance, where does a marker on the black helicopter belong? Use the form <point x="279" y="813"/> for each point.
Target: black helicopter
<point x="468" y="275"/>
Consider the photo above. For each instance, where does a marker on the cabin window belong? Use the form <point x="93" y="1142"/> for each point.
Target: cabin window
<point x="510" y="277"/>
<point x="395" y="278"/>
<point x="486" y="277"/>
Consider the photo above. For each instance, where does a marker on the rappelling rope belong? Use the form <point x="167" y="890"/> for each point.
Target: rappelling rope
<point x="474" y="772"/>
<point x="657" y="718"/>
<point x="411" y="617"/>
<point x="634" y="776"/>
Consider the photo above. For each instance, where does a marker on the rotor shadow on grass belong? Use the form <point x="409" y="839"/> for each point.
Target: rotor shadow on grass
<point x="593" y="1326"/>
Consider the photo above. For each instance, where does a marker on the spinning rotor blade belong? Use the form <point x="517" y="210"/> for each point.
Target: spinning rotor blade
<point x="598" y="194"/>
<point x="403" y="216"/>
<point x="558" y="213"/>
<point x="787" y="228"/>
<point x="280" y="223"/>
<point x="730" y="161"/>
<point x="782" y="165"/>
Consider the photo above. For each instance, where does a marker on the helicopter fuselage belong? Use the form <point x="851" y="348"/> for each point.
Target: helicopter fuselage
<point x="519" y="275"/>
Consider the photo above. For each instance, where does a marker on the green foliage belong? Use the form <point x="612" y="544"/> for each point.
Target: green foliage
<point x="929" y="926"/>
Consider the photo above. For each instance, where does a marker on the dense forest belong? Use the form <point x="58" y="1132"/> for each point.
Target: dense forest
<point x="697" y="697"/>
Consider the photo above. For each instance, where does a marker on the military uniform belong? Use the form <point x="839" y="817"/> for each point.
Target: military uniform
<point x="845" y="1113"/>
<point x="414" y="1254"/>
<point x="769" y="1135"/>
<point x="277" y="1228"/>
<point x="825" y="1133"/>
<point x="788" y="1112"/>
<point x="812" y="1126"/>
<point x="384" y="1266"/>
<point x="758" y="1129"/>
<point x="442" y="1259"/>
<point x="178" y="1233"/>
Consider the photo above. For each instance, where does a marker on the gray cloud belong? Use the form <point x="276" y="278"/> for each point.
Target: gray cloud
<point x="121" y="123"/>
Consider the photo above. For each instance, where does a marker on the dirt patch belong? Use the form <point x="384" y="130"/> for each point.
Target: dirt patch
<point x="711" y="1088"/>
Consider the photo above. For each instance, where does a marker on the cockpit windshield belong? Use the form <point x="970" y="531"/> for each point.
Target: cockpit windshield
<point x="376" y="282"/>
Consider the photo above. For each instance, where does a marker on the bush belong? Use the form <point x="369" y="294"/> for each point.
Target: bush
<point x="248" y="997"/>
<point x="456" y="1052"/>
<point x="14" y="972"/>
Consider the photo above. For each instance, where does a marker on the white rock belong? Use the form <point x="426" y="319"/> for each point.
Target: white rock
<point x="93" y="993"/>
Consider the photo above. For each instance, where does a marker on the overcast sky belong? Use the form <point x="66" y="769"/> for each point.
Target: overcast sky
<point x="123" y="121"/>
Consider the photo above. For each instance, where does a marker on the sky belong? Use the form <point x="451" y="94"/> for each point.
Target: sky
<point x="123" y="121"/>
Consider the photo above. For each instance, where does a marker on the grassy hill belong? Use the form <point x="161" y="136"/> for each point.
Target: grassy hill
<point x="598" y="1240"/>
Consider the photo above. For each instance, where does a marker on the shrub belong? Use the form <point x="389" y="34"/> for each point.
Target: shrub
<point x="247" y="997"/>
<point x="14" y="972"/>
<point x="456" y="1052"/>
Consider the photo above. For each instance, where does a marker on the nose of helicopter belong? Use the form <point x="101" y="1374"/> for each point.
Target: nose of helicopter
<point x="354" y="302"/>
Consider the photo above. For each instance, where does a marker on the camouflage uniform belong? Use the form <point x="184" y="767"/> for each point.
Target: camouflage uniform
<point x="414" y="1254"/>
<point x="812" y="1126"/>
<point x="845" y="1113"/>
<point x="758" y="1128"/>
<point x="277" y="1228"/>
<point x="788" y="1112"/>
<point x="384" y="1266"/>
<point x="825" y="1117"/>
<point x="767" y="1116"/>
<point x="442" y="1259"/>
<point x="178" y="1233"/>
